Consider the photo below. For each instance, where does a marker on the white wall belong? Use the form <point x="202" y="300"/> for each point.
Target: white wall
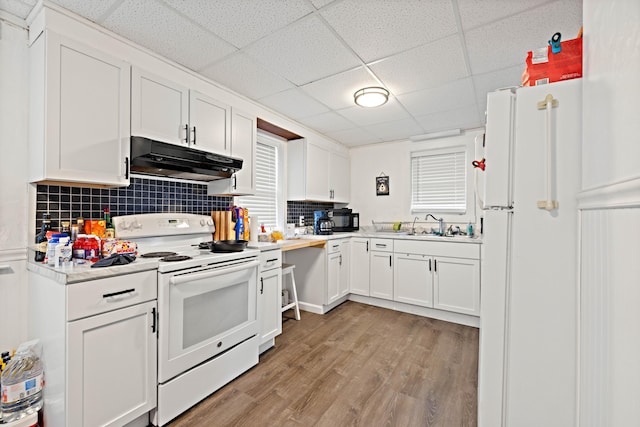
<point x="393" y="158"/>
<point x="14" y="75"/>
<point x="610" y="215"/>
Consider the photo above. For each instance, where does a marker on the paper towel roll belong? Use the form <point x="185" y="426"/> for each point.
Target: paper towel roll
<point x="254" y="228"/>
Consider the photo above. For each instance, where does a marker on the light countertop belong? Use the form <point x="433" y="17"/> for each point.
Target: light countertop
<point x="83" y="272"/>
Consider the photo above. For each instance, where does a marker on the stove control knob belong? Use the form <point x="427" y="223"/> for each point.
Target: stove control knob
<point x="203" y="222"/>
<point x="210" y="222"/>
<point x="135" y="224"/>
<point x="122" y="225"/>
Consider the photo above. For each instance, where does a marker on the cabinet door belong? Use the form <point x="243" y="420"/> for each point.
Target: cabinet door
<point x="333" y="276"/>
<point x="339" y="178"/>
<point x="269" y="304"/>
<point x="412" y="282"/>
<point x="87" y="114"/>
<point x="243" y="145"/>
<point x="317" y="173"/>
<point x="14" y="303"/>
<point x="345" y="268"/>
<point x="381" y="274"/>
<point x="159" y="108"/>
<point x="111" y="361"/>
<point x="210" y="122"/>
<point x="359" y="271"/>
<point x="456" y="285"/>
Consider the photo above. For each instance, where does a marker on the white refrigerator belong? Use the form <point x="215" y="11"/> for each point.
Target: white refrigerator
<point x="529" y="283"/>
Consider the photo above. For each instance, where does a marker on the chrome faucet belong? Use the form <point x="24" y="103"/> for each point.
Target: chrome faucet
<point x="441" y="229"/>
<point x="413" y="227"/>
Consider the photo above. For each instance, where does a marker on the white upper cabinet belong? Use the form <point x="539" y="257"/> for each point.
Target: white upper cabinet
<point x="159" y="108"/>
<point x="169" y="112"/>
<point x="243" y="145"/>
<point x="317" y="173"/>
<point x="80" y="113"/>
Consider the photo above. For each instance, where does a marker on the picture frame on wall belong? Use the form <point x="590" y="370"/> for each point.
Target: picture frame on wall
<point x="382" y="185"/>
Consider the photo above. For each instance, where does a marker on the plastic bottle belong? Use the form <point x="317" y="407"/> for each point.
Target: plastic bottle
<point x="470" y="229"/>
<point x="51" y="248"/>
<point x="64" y="252"/>
<point x="22" y="383"/>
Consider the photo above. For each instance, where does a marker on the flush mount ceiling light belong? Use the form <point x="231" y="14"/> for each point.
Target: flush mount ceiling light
<point x="371" y="96"/>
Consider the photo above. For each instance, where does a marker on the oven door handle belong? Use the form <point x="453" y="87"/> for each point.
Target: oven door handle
<point x="184" y="278"/>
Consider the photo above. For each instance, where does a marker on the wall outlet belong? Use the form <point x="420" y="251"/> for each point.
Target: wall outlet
<point x="301" y="221"/>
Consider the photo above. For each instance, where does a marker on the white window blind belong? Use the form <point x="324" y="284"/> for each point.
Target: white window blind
<point x="264" y="203"/>
<point x="438" y="181"/>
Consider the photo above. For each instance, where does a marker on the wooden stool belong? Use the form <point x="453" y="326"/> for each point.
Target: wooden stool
<point x="287" y="269"/>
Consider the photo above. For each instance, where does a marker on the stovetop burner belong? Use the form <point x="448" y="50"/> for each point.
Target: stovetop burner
<point x="205" y="245"/>
<point x="158" y="254"/>
<point x="175" y="257"/>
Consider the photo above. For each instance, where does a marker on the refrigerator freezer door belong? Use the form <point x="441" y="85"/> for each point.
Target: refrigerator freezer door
<point x="495" y="275"/>
<point x="498" y="190"/>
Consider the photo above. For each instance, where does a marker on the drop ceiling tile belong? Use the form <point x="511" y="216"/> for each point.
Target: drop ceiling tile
<point x="157" y="27"/>
<point x="242" y="22"/>
<point x="303" y="52"/>
<point x="362" y="116"/>
<point x="461" y="118"/>
<point x="93" y="10"/>
<point x="354" y="136"/>
<point x="383" y="28"/>
<point x="423" y="67"/>
<point x="16" y="8"/>
<point x="506" y="42"/>
<point x="337" y="91"/>
<point x="474" y="13"/>
<point x="490" y="82"/>
<point x="294" y="104"/>
<point x="246" y="76"/>
<point x="442" y="98"/>
<point x="396" y="130"/>
<point x="327" y="122"/>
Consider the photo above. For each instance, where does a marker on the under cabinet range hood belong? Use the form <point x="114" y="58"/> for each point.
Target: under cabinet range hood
<point x="157" y="158"/>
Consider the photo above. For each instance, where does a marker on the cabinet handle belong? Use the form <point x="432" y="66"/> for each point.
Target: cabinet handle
<point x="389" y="260"/>
<point x="115" y="294"/>
<point x="261" y="286"/>
<point x="429" y="264"/>
<point x="194" y="135"/>
<point x="153" y="315"/>
<point x="5" y="267"/>
<point x="235" y="182"/>
<point x="272" y="260"/>
<point x="186" y="134"/>
<point x="340" y="259"/>
<point x="126" y="167"/>
<point x="435" y="265"/>
<point x="381" y="245"/>
<point x="367" y="246"/>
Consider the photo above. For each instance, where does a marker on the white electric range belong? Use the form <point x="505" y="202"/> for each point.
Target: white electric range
<point x="207" y="320"/>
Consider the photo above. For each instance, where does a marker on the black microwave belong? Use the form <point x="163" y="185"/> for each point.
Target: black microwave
<point x="345" y="220"/>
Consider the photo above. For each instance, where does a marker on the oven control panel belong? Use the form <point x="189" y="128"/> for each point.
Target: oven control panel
<point x="162" y="224"/>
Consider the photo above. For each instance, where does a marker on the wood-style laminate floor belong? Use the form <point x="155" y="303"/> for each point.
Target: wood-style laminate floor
<point x="357" y="365"/>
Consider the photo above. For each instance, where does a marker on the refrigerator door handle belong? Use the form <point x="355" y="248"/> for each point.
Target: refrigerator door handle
<point x="547" y="104"/>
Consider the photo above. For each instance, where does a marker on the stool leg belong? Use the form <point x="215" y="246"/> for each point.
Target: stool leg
<point x="295" y="296"/>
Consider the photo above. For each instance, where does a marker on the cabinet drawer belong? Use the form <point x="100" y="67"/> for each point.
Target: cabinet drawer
<point x="270" y="259"/>
<point x="333" y="246"/>
<point x="99" y="296"/>
<point x="382" y="245"/>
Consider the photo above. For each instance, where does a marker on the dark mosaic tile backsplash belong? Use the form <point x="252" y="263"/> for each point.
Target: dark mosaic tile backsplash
<point x="143" y="195"/>
<point x="295" y="209"/>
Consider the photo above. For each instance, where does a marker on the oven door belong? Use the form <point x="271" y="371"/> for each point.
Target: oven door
<point x="203" y="313"/>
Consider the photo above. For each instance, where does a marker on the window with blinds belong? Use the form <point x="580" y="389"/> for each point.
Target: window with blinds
<point x="264" y="203"/>
<point x="438" y="180"/>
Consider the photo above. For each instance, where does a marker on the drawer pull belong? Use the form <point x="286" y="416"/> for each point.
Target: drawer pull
<point x="115" y="294"/>
<point x="381" y="245"/>
<point x="272" y="260"/>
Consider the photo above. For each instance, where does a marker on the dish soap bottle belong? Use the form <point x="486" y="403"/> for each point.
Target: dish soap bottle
<point x="470" y="229"/>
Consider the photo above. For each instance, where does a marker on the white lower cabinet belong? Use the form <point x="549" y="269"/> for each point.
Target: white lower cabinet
<point x="99" y="347"/>
<point x="427" y="275"/>
<point x="456" y="285"/>
<point x="359" y="266"/>
<point x="413" y="280"/>
<point x="270" y="297"/>
<point x="112" y="360"/>
<point x="337" y="269"/>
